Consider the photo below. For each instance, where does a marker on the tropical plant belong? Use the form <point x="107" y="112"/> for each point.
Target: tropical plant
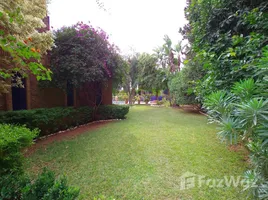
<point x="243" y="117"/>
<point x="131" y="80"/>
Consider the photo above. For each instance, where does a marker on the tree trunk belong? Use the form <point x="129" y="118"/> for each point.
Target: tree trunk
<point x="156" y="95"/>
<point x="169" y="98"/>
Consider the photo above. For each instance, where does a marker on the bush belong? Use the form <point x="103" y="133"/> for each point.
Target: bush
<point x="14" y="183"/>
<point x="45" y="187"/>
<point x="182" y="84"/>
<point x="122" y="96"/>
<point x="163" y="102"/>
<point x="48" y="120"/>
<point x="112" y="112"/>
<point x="52" y="120"/>
<point x="242" y="115"/>
<point x="12" y="140"/>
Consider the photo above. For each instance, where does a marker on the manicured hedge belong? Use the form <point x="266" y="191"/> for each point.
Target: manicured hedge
<point x="112" y="112"/>
<point x="51" y="120"/>
<point x="48" y="120"/>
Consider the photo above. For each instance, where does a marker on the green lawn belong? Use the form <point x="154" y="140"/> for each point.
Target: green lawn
<point x="144" y="156"/>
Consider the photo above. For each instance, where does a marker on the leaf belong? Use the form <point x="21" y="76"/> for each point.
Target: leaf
<point x="233" y="54"/>
<point x="185" y="62"/>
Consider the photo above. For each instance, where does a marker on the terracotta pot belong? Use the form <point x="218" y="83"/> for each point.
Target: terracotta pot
<point x="126" y="101"/>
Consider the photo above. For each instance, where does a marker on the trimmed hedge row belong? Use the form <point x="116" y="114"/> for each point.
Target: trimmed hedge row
<point x="112" y="112"/>
<point x="51" y="120"/>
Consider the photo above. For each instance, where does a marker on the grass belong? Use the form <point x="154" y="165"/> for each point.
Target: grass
<point x="144" y="156"/>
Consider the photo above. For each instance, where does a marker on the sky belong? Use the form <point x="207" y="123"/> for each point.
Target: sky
<point x="131" y="24"/>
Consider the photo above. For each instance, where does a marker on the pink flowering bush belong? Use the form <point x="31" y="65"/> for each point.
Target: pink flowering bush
<point x="83" y="54"/>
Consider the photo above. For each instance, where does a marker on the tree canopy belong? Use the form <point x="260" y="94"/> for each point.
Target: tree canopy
<point x="83" y="54"/>
<point x="21" y="40"/>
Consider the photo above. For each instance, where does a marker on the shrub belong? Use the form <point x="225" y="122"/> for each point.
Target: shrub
<point x="14" y="183"/>
<point x="122" y="96"/>
<point x="12" y="140"/>
<point x="112" y="112"/>
<point x="147" y="97"/>
<point x="48" y="120"/>
<point x="242" y="115"/>
<point x="52" y="120"/>
<point x="45" y="187"/>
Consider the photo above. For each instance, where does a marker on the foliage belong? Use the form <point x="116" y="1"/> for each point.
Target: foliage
<point x="163" y="102"/>
<point x="113" y="112"/>
<point x="233" y="34"/>
<point x="242" y="115"/>
<point x="52" y="120"/>
<point x="122" y="95"/>
<point x="168" y="65"/>
<point x="82" y="55"/>
<point x="137" y="97"/>
<point x="165" y="56"/>
<point x="150" y="78"/>
<point x="182" y="85"/>
<point x="14" y="183"/>
<point x="21" y="43"/>
<point x="45" y="187"/>
<point x="12" y="140"/>
<point x="131" y="74"/>
<point x="48" y="120"/>
<point x="229" y="40"/>
<point x="147" y="97"/>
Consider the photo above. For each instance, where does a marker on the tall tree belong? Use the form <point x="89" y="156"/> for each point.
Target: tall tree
<point x="168" y="64"/>
<point x="150" y="76"/>
<point x="132" y="76"/>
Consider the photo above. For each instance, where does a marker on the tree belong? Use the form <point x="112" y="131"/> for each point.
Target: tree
<point x="182" y="85"/>
<point x="168" y="64"/>
<point x="82" y="55"/>
<point x="150" y="77"/>
<point x="229" y="40"/>
<point x="84" y="59"/>
<point x="21" y="43"/>
<point x="131" y="76"/>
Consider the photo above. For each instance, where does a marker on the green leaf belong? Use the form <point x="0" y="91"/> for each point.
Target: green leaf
<point x="185" y="62"/>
